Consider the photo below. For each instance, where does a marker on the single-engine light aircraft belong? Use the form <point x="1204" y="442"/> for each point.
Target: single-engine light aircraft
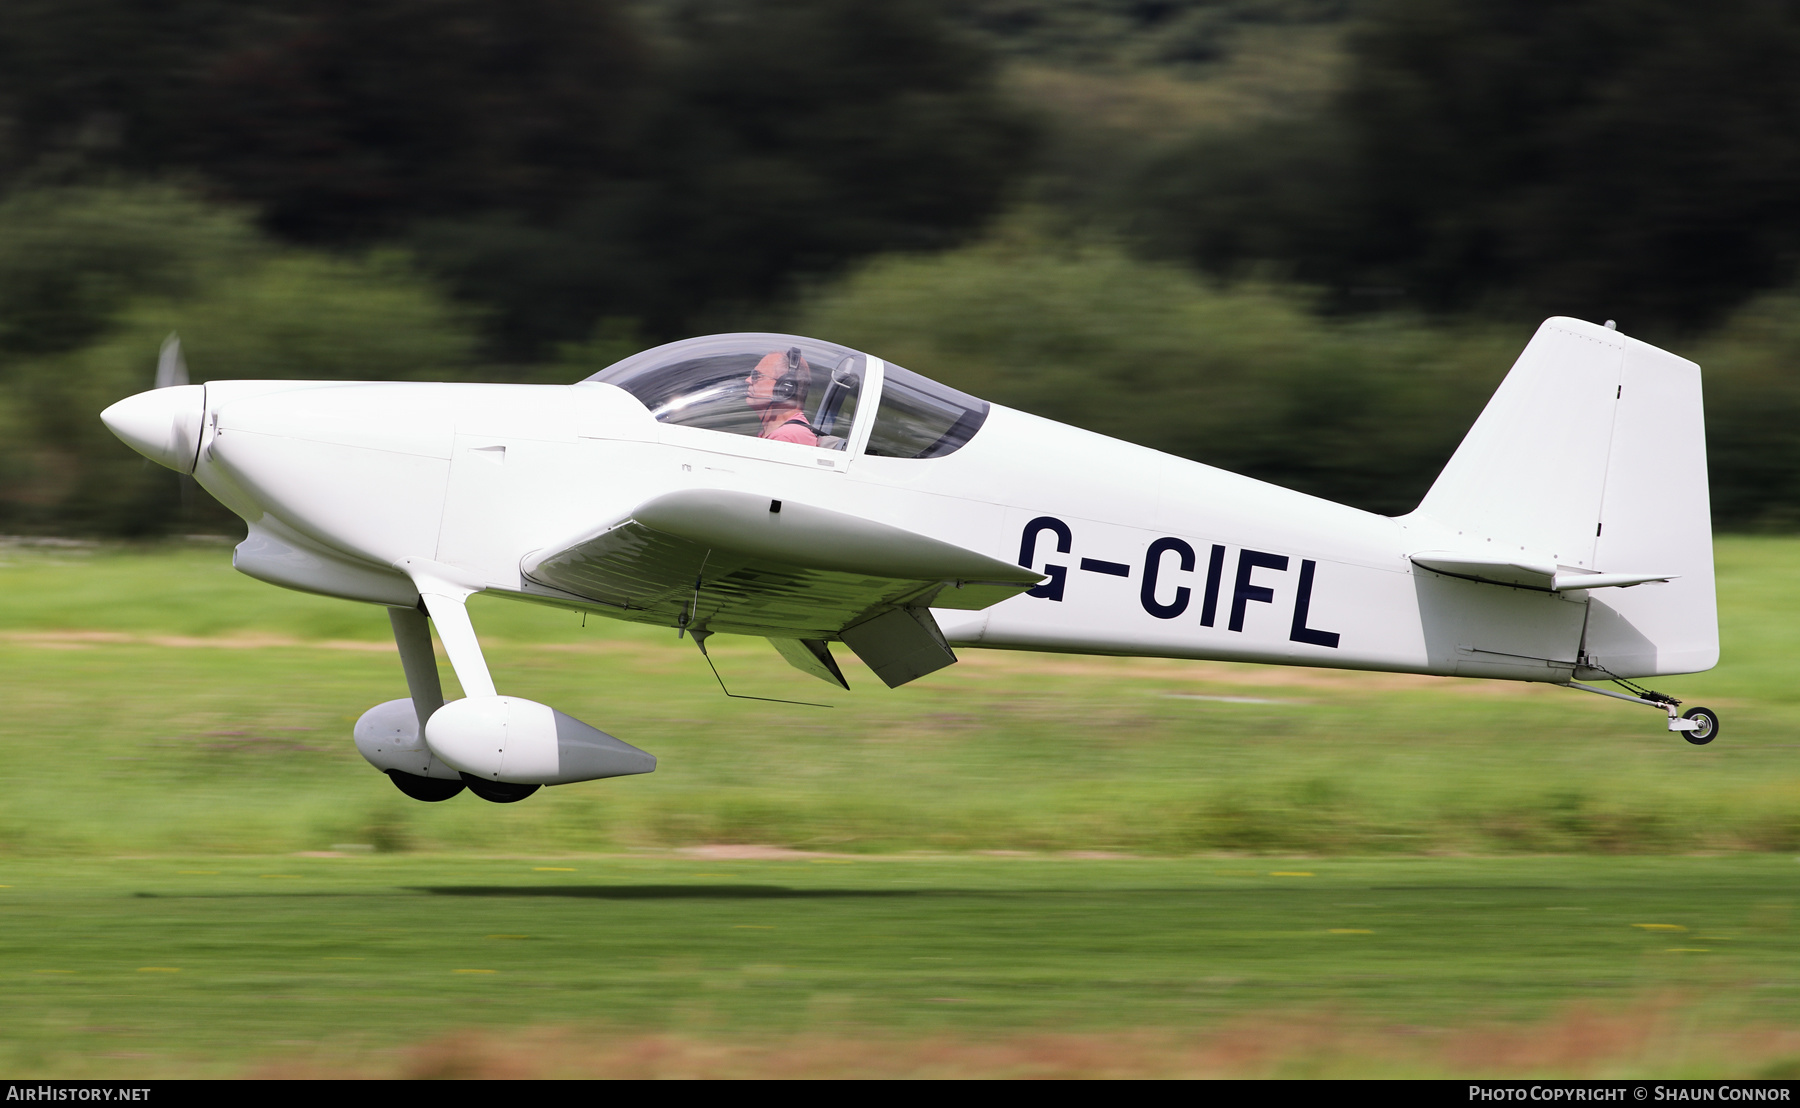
<point x="785" y="487"/>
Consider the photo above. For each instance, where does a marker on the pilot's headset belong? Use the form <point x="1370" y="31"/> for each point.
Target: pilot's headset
<point x="791" y="385"/>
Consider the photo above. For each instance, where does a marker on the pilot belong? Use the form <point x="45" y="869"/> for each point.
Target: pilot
<point x="777" y="391"/>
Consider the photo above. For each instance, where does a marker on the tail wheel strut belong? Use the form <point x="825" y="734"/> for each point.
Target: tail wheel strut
<point x="1698" y="726"/>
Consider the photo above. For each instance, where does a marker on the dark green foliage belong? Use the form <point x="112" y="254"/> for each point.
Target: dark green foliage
<point x="1363" y="411"/>
<point x="72" y="259"/>
<point x="72" y="263"/>
<point x="336" y="119"/>
<point x="1633" y="159"/>
<point x="1126" y="33"/>
<point x="789" y="136"/>
<point x="1244" y="379"/>
<point x="1752" y="410"/>
<point x="820" y="129"/>
<point x="344" y="119"/>
<point x="550" y="157"/>
<point x="93" y="86"/>
<point x="1231" y="202"/>
<point x="592" y="177"/>
<point x="93" y="279"/>
<point x="547" y="283"/>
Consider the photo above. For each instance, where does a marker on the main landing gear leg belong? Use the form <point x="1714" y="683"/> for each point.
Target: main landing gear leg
<point x="446" y="606"/>
<point x="501" y="748"/>
<point x="391" y="736"/>
<point x="1697" y="725"/>
<point x="412" y="634"/>
<point x="445" y="603"/>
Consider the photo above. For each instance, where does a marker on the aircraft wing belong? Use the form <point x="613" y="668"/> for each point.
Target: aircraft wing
<point x="746" y="564"/>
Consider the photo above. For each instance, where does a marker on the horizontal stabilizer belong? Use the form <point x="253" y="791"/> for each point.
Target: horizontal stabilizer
<point x="1544" y="576"/>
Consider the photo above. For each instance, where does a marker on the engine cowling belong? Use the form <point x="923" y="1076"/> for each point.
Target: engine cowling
<point x="509" y="738"/>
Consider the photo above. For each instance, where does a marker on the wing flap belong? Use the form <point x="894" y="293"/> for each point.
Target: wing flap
<point x="811" y="656"/>
<point x="900" y="645"/>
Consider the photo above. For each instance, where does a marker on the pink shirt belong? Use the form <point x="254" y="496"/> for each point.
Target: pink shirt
<point x="794" y="430"/>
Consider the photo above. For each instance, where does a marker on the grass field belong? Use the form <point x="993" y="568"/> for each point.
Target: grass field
<point x="1023" y="864"/>
<point x="335" y="965"/>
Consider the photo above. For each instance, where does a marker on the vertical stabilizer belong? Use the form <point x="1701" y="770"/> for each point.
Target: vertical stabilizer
<point x="1591" y="457"/>
<point x="1529" y="477"/>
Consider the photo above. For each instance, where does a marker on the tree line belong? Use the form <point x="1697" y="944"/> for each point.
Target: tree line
<point x="1628" y="159"/>
<point x="1320" y="297"/>
<point x="553" y="161"/>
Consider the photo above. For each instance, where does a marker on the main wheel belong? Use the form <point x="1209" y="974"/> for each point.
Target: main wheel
<point x="431" y="789"/>
<point x="500" y="792"/>
<point x="1709" y="726"/>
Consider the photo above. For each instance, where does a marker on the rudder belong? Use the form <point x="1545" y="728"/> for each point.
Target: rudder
<point x="1656" y="512"/>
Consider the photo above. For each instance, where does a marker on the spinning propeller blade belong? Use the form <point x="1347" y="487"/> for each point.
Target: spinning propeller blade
<point x="171" y="367"/>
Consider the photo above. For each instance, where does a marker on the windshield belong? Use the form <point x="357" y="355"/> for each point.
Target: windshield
<point x="920" y="418"/>
<point x="764" y="385"/>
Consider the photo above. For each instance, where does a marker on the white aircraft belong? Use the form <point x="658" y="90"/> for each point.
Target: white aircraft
<point x="774" y="485"/>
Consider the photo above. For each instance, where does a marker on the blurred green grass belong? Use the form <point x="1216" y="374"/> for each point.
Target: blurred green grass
<point x="159" y="702"/>
<point x="197" y="966"/>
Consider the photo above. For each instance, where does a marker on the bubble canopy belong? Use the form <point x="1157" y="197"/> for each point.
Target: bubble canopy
<point x="799" y="390"/>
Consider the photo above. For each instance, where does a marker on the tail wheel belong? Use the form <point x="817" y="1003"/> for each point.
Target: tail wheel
<point x="499" y="792"/>
<point x="430" y="789"/>
<point x="1708" y="729"/>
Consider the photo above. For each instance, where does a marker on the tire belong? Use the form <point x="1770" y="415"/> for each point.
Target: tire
<point x="1709" y="726"/>
<point x="498" y="792"/>
<point x="429" y="789"/>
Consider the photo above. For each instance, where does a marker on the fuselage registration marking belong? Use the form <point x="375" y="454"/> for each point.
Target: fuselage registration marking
<point x="1168" y="556"/>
